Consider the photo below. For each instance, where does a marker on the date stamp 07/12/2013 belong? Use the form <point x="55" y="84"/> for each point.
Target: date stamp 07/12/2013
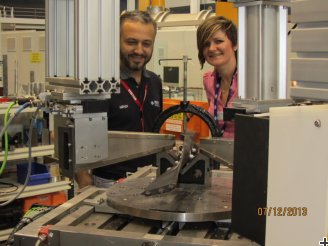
<point x="282" y="211"/>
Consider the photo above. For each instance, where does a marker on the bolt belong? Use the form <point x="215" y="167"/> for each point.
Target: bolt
<point x="317" y="123"/>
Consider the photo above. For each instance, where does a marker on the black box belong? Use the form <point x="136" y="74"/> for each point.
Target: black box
<point x="250" y="176"/>
<point x="11" y="214"/>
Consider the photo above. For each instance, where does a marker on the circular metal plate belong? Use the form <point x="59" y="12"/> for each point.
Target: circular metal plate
<point x="189" y="203"/>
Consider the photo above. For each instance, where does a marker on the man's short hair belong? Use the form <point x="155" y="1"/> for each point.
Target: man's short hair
<point x="138" y="16"/>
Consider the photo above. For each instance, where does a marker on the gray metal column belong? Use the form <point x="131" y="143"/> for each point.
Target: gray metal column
<point x="262" y="53"/>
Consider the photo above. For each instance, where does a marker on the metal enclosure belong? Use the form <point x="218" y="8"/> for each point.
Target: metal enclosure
<point x="310" y="42"/>
<point x="74" y="147"/>
<point x="24" y="61"/>
<point x="82" y="45"/>
<point x="262" y="49"/>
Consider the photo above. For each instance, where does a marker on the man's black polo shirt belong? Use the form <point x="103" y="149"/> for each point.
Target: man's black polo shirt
<point x="124" y="115"/>
<point x="123" y="112"/>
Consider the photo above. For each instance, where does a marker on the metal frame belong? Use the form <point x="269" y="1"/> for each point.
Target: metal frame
<point x="262" y="53"/>
<point x="83" y="44"/>
<point x="83" y="220"/>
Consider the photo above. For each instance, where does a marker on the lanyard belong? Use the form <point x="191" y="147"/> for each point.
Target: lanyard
<point x="136" y="101"/>
<point x="217" y="89"/>
<point x="216" y="98"/>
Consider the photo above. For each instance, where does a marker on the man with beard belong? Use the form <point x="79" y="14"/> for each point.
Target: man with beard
<point x="140" y="99"/>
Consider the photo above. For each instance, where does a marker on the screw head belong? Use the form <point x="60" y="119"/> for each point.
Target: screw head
<point x="317" y="123"/>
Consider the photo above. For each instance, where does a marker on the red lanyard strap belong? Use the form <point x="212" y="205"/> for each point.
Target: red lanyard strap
<point x="136" y="100"/>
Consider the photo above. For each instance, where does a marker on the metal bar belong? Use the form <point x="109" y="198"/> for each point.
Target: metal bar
<point x="99" y="39"/>
<point x="36" y="190"/>
<point x="116" y="51"/>
<point x="16" y="78"/>
<point x="77" y="216"/>
<point x="194" y="6"/>
<point x="67" y="37"/>
<point x="55" y="54"/>
<point x="77" y="68"/>
<point x="185" y="63"/>
<point x="66" y="235"/>
<point x="135" y="145"/>
<point x="260" y="60"/>
<point x="242" y="52"/>
<point x="86" y="36"/>
<point x="63" y="81"/>
<point x="282" y="56"/>
<point x="23" y="152"/>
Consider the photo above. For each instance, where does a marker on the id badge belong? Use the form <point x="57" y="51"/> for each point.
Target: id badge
<point x="220" y="115"/>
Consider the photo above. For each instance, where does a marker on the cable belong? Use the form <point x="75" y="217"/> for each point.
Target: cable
<point x="25" y="105"/>
<point x="3" y="165"/>
<point x="29" y="154"/>
<point x="12" y="117"/>
<point x="35" y="212"/>
<point x="185" y="107"/>
<point x="9" y="185"/>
